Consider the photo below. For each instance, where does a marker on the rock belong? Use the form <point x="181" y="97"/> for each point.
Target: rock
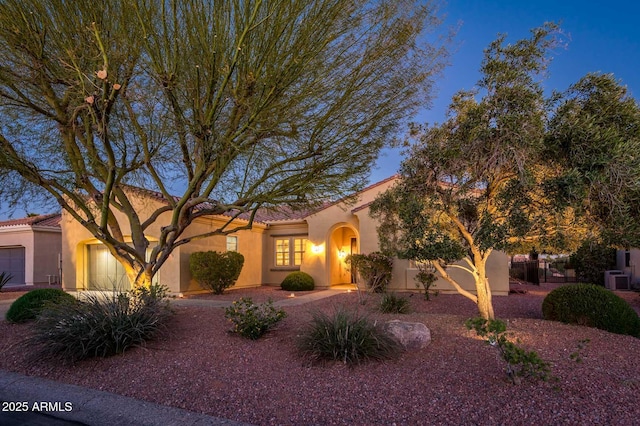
<point x="411" y="335"/>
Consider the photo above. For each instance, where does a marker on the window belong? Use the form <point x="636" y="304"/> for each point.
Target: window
<point x="232" y="243"/>
<point x="285" y="256"/>
<point x="298" y="250"/>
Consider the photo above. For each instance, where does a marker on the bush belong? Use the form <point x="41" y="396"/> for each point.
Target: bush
<point x="216" y="271"/>
<point x="591" y="260"/>
<point x="394" y="304"/>
<point x="101" y="324"/>
<point x="374" y="268"/>
<point x="592" y="306"/>
<point x="345" y="337"/>
<point x="28" y="306"/>
<point x="298" y="281"/>
<point x="251" y="320"/>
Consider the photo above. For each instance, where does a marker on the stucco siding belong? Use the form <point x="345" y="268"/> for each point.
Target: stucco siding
<point x="47" y="250"/>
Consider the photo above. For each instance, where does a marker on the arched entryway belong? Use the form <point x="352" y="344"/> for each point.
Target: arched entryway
<point x="343" y="241"/>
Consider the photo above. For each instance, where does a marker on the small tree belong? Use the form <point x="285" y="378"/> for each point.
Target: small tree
<point x="216" y="271"/>
<point x="466" y="184"/>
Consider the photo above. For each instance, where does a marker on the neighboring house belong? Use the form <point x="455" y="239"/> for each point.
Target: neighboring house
<point x="628" y="261"/>
<point x="30" y="249"/>
<point x="279" y="243"/>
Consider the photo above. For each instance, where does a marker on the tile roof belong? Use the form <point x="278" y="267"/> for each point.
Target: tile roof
<point x="50" y="220"/>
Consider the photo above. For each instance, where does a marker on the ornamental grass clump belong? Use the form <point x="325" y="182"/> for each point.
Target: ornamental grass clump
<point x="5" y="277"/>
<point x="391" y="303"/>
<point x="28" y="306"/>
<point x="251" y="320"/>
<point x="592" y="306"/>
<point x="100" y="324"/>
<point x="346" y="337"/>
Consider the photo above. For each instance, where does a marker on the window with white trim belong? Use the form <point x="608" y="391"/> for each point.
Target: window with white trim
<point x="289" y="251"/>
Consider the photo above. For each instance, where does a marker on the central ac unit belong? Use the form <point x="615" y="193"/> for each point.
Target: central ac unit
<point x="619" y="282"/>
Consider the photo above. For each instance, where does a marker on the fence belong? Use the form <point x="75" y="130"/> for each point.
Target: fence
<point x="543" y="270"/>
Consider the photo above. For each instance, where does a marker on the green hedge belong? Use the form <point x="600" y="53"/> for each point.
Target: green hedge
<point x="592" y="306"/>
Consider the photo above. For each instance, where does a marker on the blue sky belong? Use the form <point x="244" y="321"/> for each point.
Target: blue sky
<point x="602" y="37"/>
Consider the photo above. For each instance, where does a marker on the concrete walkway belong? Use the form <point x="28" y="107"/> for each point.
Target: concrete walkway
<point x="292" y="301"/>
<point x="74" y="405"/>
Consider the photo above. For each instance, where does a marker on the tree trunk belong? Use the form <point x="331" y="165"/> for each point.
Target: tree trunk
<point x="485" y="304"/>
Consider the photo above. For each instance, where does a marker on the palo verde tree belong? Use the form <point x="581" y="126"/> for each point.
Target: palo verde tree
<point x="246" y="104"/>
<point x="465" y="186"/>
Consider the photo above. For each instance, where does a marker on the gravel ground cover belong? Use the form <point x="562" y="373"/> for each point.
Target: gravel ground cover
<point x="457" y="380"/>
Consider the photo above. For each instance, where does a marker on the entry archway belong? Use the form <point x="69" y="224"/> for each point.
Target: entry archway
<point x="343" y="241"/>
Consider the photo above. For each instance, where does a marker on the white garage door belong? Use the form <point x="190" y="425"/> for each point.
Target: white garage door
<point x="12" y="262"/>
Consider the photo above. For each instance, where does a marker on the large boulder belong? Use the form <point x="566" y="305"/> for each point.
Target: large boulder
<point x="411" y="335"/>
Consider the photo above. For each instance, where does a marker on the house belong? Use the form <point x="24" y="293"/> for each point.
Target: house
<point x="279" y="243"/>
<point x="627" y="262"/>
<point x="30" y="249"/>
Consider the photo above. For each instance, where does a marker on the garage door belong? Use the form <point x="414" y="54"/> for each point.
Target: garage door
<point x="12" y="262"/>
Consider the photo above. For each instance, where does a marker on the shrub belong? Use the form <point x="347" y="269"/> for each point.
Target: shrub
<point x="100" y="324"/>
<point x="345" y="337"/>
<point x="4" y="279"/>
<point x="394" y="304"/>
<point x="298" y="281"/>
<point x="520" y="363"/>
<point x="374" y="268"/>
<point x="592" y="306"/>
<point x="251" y="320"/>
<point x="28" y="306"/>
<point x="216" y="271"/>
<point x="591" y="260"/>
<point x="426" y="279"/>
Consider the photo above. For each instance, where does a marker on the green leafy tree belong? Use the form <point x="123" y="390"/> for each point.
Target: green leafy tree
<point x="464" y="186"/>
<point x="244" y="104"/>
<point x="595" y="130"/>
<point x="509" y="170"/>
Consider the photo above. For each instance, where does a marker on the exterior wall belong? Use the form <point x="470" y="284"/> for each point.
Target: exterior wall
<point x="633" y="268"/>
<point x="249" y="245"/>
<point x="46" y="254"/>
<point x="174" y="273"/>
<point x="497" y="271"/>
